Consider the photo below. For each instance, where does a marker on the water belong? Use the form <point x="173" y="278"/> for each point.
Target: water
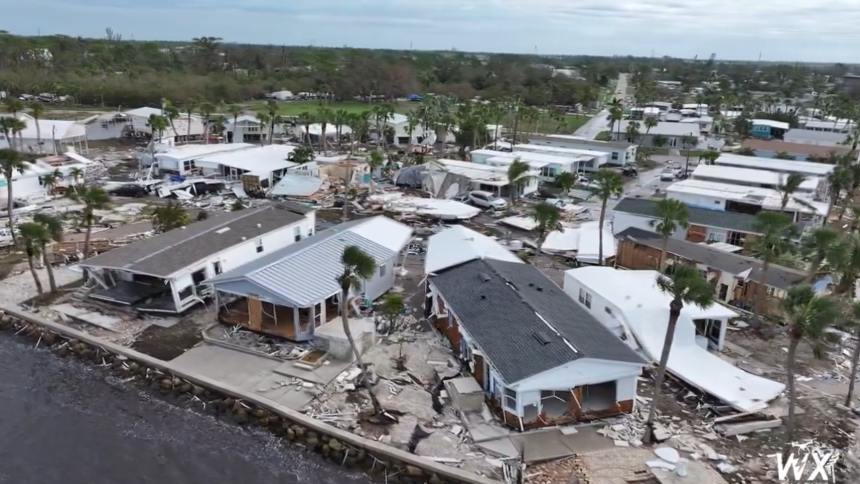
<point x="64" y="422"/>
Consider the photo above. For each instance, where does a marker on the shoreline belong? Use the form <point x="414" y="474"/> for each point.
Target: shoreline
<point x="338" y="446"/>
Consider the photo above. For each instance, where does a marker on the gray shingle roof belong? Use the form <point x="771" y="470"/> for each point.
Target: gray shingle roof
<point x="510" y="309"/>
<point x="304" y="273"/>
<point x="777" y="276"/>
<point x="171" y="251"/>
<point x="740" y="222"/>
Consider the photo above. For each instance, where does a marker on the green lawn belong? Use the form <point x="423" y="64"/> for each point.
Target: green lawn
<point x="294" y="108"/>
<point x="572" y="122"/>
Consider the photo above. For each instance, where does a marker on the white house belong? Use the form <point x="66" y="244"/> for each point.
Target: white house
<point x="745" y="199"/>
<point x="549" y="166"/>
<point x="539" y="358"/>
<point x="632" y="306"/>
<point x="399" y="123"/>
<point x="673" y="134"/>
<point x="134" y="123"/>
<point x="812" y="186"/>
<point x="620" y="153"/>
<point x="181" y="160"/>
<point x="166" y="273"/>
<point x="247" y="128"/>
<point x="293" y="292"/>
<point x="585" y="160"/>
<point x="489" y="178"/>
<point x="806" y="168"/>
<point x="269" y="163"/>
<point x="28" y="186"/>
<point x="48" y="136"/>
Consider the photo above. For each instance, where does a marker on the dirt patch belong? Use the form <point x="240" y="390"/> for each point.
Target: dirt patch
<point x="168" y="343"/>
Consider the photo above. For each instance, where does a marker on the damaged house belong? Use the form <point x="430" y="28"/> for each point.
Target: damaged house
<point x="166" y="273"/>
<point x="737" y="279"/>
<point x="293" y="292"/>
<point x="540" y="359"/>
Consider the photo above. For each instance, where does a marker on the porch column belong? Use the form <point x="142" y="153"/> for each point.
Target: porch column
<point x="297" y="327"/>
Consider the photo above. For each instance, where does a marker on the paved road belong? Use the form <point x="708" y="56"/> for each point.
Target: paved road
<point x="594" y="125"/>
<point x="621" y="86"/>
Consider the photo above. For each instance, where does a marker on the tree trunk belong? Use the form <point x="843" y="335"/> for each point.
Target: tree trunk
<point x="600" y="233"/>
<point x="46" y="259"/>
<point x="661" y="262"/>
<point x="344" y="317"/>
<point x="760" y="301"/>
<point x="38" y="133"/>
<point x="347" y="179"/>
<point x="33" y="272"/>
<point x="855" y="357"/>
<point x="10" y="205"/>
<point x="674" y="312"/>
<point x="789" y="370"/>
<point x="89" y="233"/>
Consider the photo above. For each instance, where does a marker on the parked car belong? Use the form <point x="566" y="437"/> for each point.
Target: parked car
<point x="487" y="200"/>
<point x="629" y="171"/>
<point x="667" y="175"/>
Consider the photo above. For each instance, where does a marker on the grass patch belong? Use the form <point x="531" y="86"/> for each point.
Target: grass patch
<point x="572" y="122"/>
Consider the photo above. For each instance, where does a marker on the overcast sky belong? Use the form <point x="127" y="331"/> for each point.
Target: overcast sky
<point x="808" y="30"/>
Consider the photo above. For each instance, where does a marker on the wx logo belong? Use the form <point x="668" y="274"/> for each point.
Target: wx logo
<point x="807" y="463"/>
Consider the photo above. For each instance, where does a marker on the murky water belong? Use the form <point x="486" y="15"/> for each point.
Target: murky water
<point x="64" y="422"/>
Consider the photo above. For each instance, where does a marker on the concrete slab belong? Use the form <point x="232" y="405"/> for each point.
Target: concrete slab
<point x="696" y="472"/>
<point x="110" y="323"/>
<point x="586" y="439"/>
<point x="503" y="448"/>
<point x="245" y="371"/>
<point x="542" y="446"/>
<point x="17" y="288"/>
<point x="323" y="375"/>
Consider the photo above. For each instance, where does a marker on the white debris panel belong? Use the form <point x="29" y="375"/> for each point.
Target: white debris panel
<point x="584" y="240"/>
<point x="428" y="207"/>
<point x="456" y="245"/>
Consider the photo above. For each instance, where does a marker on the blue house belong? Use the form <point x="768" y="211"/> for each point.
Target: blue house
<point x="768" y="128"/>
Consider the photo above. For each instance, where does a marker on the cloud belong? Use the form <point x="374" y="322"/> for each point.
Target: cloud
<point x="799" y="30"/>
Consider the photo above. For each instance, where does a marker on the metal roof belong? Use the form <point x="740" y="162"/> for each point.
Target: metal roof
<point x="166" y="254"/>
<point x="522" y="321"/>
<point x="777" y="276"/>
<point x="740" y="222"/>
<point x="304" y="273"/>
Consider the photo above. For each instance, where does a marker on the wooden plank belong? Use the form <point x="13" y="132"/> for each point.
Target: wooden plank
<point x="255" y="314"/>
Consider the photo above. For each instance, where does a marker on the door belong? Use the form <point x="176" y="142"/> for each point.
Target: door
<point x="478" y="363"/>
<point x="724" y="291"/>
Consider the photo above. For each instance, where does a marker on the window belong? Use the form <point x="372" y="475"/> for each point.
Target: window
<point x="217" y="268"/>
<point x="382" y="270"/>
<point x="585" y="297"/>
<point x="736" y="238"/>
<point x="188" y="165"/>
<point x="259" y="245"/>
<point x="608" y="310"/>
<point x="510" y="399"/>
<point x="297" y="234"/>
<point x="199" y="276"/>
<point x="185" y="293"/>
<point x="615" y="155"/>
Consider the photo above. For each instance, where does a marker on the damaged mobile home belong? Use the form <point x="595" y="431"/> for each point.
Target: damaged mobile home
<point x="539" y="358"/>
<point x="166" y="273"/>
<point x="632" y="306"/>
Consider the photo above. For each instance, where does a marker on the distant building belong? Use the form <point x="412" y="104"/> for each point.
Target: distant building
<point x="850" y="83"/>
<point x="48" y="136"/>
<point x="673" y="134"/>
<point x="768" y="128"/>
<point x="620" y="153"/>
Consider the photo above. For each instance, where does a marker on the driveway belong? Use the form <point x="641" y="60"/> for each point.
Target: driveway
<point x="594" y="125"/>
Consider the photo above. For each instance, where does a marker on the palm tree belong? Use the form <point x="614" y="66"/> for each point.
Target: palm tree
<point x="190" y="107"/>
<point x="93" y="198"/>
<point x="632" y="131"/>
<point x="14" y="106"/>
<point x="10" y="162"/>
<point x="816" y="246"/>
<point x="12" y="128"/>
<point x="358" y="267"/>
<point x="49" y="181"/>
<point x="671" y="216"/>
<point x="852" y="318"/>
<point x="205" y="110"/>
<point x="518" y="173"/>
<point x="274" y="117"/>
<point x="171" y="114"/>
<point x="606" y="184"/>
<point x="341" y="118"/>
<point x="6" y="128"/>
<point x="76" y="174"/>
<point x="616" y="113"/>
<point x="776" y="233"/>
<point x="376" y="160"/>
<point x="788" y="186"/>
<point x="169" y="217"/>
<point x="264" y="119"/>
<point x="687" y="143"/>
<point x="839" y="179"/>
<point x="381" y="113"/>
<point x="844" y="260"/>
<point x="565" y="181"/>
<point x="235" y="111"/>
<point x="807" y="316"/>
<point x="547" y="217"/>
<point x="686" y="286"/>
<point x="53" y="228"/>
<point x="33" y="236"/>
<point x="650" y="122"/>
<point x="37" y="110"/>
<point x="157" y="125"/>
<point x="307" y="119"/>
